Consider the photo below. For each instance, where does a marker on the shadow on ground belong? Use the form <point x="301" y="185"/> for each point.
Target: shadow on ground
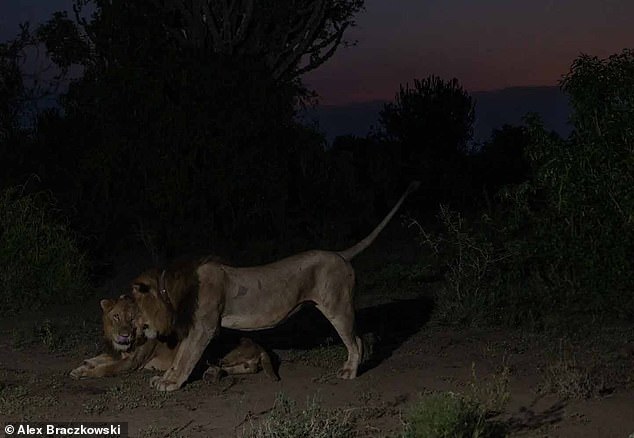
<point x="383" y="328"/>
<point x="527" y="419"/>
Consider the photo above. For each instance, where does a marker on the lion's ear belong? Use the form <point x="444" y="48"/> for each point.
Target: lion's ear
<point x="106" y="305"/>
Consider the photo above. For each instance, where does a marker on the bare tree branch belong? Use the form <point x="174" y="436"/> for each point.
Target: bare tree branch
<point x="281" y="33"/>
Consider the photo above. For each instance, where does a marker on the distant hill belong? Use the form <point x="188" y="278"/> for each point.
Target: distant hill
<point x="355" y="119"/>
<point x="493" y="109"/>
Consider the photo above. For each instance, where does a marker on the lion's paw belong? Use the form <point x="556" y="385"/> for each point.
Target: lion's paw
<point x="80" y="372"/>
<point x="161" y="384"/>
<point x="212" y="374"/>
<point x="347" y="373"/>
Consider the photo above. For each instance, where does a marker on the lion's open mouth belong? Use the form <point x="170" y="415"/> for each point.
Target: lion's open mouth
<point x="122" y="342"/>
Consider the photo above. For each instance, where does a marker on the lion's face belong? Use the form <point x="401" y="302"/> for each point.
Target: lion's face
<point x="155" y="313"/>
<point x="121" y="322"/>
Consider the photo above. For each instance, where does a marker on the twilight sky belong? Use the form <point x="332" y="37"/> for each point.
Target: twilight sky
<point x="486" y="44"/>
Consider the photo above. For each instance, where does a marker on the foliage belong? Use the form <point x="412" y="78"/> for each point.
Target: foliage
<point x="471" y="264"/>
<point x="430" y="125"/>
<point x="433" y="118"/>
<point x="11" y="86"/>
<point x="291" y="37"/>
<point x="448" y="415"/>
<point x="176" y="130"/>
<point x="558" y="247"/>
<point x="40" y="262"/>
<point x="286" y="420"/>
<point x="579" y="208"/>
<point x="569" y="380"/>
<point x="502" y="160"/>
<point x="14" y="97"/>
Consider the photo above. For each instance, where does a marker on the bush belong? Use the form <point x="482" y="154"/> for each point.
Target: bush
<point x="472" y="267"/>
<point x="448" y="415"/>
<point x="556" y="250"/>
<point x="286" y="420"/>
<point x="40" y="263"/>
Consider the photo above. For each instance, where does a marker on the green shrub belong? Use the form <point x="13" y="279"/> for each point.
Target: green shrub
<point x="286" y="420"/>
<point x="577" y="214"/>
<point x="448" y="415"/>
<point x="556" y="251"/>
<point x="470" y="262"/>
<point x="40" y="263"/>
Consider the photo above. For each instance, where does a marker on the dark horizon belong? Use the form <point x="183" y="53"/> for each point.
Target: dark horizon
<point x="493" y="110"/>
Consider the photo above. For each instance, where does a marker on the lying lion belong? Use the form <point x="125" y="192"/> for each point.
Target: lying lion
<point x="247" y="358"/>
<point x="129" y="349"/>
<point x="201" y="297"/>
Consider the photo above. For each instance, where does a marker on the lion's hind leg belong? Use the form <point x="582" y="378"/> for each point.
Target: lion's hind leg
<point x="267" y="366"/>
<point x="249" y="366"/>
<point x="342" y="320"/>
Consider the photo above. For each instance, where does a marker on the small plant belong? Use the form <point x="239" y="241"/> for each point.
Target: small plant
<point x="449" y="415"/>
<point x="49" y="335"/>
<point x="492" y="394"/>
<point x="470" y="294"/>
<point x="286" y="420"/>
<point x="566" y="378"/>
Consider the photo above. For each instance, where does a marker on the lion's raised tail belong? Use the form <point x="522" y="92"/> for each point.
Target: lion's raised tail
<point x="351" y="252"/>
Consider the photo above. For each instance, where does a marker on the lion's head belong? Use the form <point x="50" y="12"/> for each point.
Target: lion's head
<point x="122" y="322"/>
<point x="156" y="312"/>
<point x="168" y="299"/>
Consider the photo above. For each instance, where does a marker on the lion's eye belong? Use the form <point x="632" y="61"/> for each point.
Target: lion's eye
<point x="115" y="317"/>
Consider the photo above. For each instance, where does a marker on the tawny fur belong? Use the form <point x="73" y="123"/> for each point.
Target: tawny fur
<point x="248" y="357"/>
<point x="121" y="317"/>
<point x="210" y="295"/>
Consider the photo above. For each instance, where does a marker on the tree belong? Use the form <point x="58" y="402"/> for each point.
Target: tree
<point x="11" y="88"/>
<point x="572" y="221"/>
<point x="183" y="118"/>
<point x="431" y="124"/>
<point x="502" y="160"/>
<point x="14" y="106"/>
<point x="291" y="37"/>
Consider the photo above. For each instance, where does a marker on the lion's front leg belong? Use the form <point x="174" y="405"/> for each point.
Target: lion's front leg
<point x="85" y="369"/>
<point x="106" y="365"/>
<point x="93" y="367"/>
<point x="189" y="353"/>
<point x="206" y="326"/>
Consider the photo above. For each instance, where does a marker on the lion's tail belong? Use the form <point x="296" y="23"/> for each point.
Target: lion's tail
<point x="351" y="252"/>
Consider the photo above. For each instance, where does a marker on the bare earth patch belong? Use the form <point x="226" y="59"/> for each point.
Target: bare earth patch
<point x="556" y="388"/>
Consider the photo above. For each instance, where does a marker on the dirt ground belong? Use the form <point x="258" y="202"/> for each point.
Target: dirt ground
<point x="573" y="386"/>
<point x="557" y="388"/>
